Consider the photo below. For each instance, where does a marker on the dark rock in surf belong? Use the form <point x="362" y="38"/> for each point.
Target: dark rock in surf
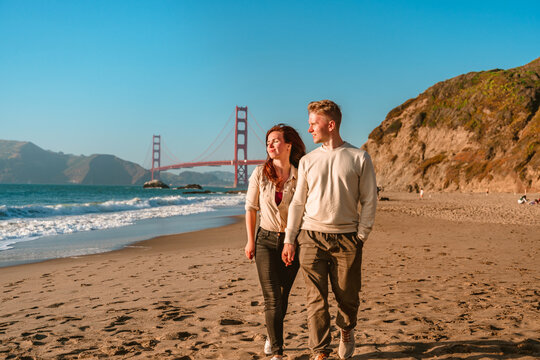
<point x="155" y="184"/>
<point x="191" y="186"/>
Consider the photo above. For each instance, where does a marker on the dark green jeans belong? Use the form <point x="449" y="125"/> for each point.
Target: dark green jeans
<point x="276" y="282"/>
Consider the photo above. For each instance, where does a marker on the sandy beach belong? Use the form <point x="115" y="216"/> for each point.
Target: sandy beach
<point x="452" y="276"/>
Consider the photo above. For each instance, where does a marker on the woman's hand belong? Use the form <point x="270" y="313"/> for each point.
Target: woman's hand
<point x="250" y="249"/>
<point x="251" y="219"/>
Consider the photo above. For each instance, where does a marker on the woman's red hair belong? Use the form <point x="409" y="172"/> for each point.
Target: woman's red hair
<point x="298" y="149"/>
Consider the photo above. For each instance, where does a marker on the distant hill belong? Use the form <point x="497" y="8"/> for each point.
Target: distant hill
<point x="211" y="178"/>
<point x="25" y="163"/>
<point x="473" y="132"/>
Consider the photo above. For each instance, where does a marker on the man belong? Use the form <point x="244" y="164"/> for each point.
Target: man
<point x="332" y="213"/>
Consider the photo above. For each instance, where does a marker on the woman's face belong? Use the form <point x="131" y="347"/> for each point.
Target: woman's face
<point x="276" y="147"/>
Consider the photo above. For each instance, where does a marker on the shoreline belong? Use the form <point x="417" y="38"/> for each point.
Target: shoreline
<point x="469" y="207"/>
<point x="101" y="241"/>
<point x="61" y="221"/>
<point x="177" y="241"/>
<point x="432" y="287"/>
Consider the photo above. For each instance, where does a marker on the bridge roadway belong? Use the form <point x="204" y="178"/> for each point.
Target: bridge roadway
<point x="209" y="163"/>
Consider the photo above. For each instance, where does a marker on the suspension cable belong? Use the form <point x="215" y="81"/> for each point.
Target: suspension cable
<point x="215" y="140"/>
<point x="169" y="153"/>
<point x="257" y="136"/>
<point x="217" y="148"/>
<point x="146" y="162"/>
<point x="256" y="122"/>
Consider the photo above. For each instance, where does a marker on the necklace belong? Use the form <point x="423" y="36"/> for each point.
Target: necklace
<point x="280" y="182"/>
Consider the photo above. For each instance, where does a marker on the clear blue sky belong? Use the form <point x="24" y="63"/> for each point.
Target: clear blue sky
<point x="87" y="77"/>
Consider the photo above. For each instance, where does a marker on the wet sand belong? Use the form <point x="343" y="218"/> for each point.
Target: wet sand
<point x="451" y="276"/>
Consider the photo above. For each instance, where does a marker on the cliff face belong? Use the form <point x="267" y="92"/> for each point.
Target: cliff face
<point x="474" y="132"/>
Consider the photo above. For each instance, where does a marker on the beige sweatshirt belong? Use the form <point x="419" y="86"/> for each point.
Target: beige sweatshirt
<point x="336" y="193"/>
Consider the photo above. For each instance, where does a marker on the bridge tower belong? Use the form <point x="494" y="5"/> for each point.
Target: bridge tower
<point x="156" y="155"/>
<point x="240" y="144"/>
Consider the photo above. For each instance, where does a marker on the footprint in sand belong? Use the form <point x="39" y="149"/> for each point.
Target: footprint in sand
<point x="69" y="319"/>
<point x="55" y="305"/>
<point x="181" y="335"/>
<point x="119" y="321"/>
<point x="230" y="322"/>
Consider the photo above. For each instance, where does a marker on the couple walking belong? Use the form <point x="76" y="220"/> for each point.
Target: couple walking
<point x="316" y="212"/>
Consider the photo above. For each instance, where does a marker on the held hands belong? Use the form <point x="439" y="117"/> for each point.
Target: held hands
<point x="287" y="255"/>
<point x="250" y="250"/>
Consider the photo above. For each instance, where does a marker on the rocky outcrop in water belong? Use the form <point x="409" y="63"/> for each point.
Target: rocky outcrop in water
<point x="190" y="186"/>
<point x="155" y="184"/>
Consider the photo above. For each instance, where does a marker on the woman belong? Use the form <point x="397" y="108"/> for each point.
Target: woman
<point x="271" y="188"/>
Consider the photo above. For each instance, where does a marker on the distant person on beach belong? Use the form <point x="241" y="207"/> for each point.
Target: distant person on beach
<point x="332" y="213"/>
<point x="522" y="199"/>
<point x="421" y="193"/>
<point x="270" y="191"/>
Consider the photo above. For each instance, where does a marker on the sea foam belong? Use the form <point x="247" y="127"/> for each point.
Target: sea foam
<point x="24" y="223"/>
<point x="39" y="211"/>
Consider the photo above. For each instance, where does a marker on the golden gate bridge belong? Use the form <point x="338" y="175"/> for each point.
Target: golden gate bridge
<point x="240" y="160"/>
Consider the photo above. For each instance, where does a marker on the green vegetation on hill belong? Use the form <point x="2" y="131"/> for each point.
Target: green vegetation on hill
<point x="498" y="108"/>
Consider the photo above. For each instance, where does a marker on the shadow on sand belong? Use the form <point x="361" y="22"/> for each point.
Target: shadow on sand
<point x="469" y="350"/>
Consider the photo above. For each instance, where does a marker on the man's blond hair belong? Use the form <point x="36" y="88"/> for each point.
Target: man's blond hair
<point x="328" y="108"/>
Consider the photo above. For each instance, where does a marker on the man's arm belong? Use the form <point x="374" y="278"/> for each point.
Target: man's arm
<point x="297" y="206"/>
<point x="367" y="188"/>
<point x="294" y="219"/>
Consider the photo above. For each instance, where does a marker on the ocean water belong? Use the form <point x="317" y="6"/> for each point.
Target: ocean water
<point x="39" y="222"/>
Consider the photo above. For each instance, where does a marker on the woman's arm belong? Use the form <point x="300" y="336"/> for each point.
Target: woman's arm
<point x="252" y="206"/>
<point x="251" y="219"/>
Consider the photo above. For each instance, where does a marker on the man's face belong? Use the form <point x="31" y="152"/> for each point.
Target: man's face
<point x="319" y="127"/>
